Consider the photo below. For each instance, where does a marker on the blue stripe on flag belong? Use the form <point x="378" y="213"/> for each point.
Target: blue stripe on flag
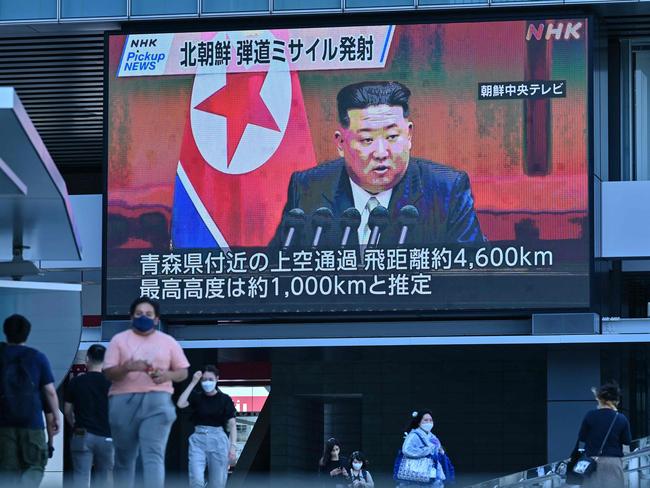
<point x="188" y="228"/>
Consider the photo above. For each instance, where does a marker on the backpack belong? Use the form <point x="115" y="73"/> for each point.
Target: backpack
<point x="363" y="474"/>
<point x="17" y="389"/>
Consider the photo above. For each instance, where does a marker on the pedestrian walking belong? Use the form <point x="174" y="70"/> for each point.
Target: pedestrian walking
<point x="86" y="410"/>
<point x="418" y="463"/>
<point x="359" y="476"/>
<point x="25" y="375"/>
<point x="604" y="432"/>
<point x="332" y="465"/>
<point x="142" y="363"/>
<point x="213" y="414"/>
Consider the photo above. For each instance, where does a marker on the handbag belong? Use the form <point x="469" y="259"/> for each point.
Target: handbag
<point x="420" y="470"/>
<point x="415" y="469"/>
<point x="585" y="465"/>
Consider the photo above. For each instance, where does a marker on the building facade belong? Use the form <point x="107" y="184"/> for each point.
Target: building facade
<point x="509" y="387"/>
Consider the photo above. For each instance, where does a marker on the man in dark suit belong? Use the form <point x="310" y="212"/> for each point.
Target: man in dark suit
<point x="375" y="168"/>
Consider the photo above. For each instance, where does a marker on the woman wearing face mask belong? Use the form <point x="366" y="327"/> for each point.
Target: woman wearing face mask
<point x="421" y="443"/>
<point x="358" y="472"/>
<point x="331" y="466"/>
<point x="213" y="414"/>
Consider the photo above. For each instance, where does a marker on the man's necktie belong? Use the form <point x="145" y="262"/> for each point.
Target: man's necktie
<point x="370" y="206"/>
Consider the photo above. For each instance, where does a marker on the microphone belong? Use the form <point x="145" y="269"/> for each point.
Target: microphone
<point x="408" y="217"/>
<point x="350" y="221"/>
<point x="294" y="221"/>
<point x="377" y="222"/>
<point x="321" y="220"/>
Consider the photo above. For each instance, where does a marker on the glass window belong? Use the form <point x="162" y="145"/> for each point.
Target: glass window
<point x="27" y="10"/>
<point x="453" y="2"/>
<point x="378" y="3"/>
<point x="593" y="1"/>
<point x="72" y="9"/>
<point x="163" y="7"/>
<point x="527" y="1"/>
<point x="641" y="112"/>
<point x="219" y="6"/>
<point x="306" y="4"/>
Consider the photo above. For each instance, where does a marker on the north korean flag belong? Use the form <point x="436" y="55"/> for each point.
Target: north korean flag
<point x="246" y="133"/>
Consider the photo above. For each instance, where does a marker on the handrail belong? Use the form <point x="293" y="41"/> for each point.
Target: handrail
<point x="636" y="467"/>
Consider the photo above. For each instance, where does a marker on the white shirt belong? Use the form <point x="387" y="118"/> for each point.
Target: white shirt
<point x="361" y="197"/>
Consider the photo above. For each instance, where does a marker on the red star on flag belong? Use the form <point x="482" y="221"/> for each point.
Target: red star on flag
<point x="215" y="205"/>
<point x="239" y="101"/>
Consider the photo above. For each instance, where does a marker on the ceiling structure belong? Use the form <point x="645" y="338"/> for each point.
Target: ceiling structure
<point x="59" y="79"/>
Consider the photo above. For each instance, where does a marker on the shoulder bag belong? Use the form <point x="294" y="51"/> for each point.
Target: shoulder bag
<point x="413" y="469"/>
<point x="586" y="465"/>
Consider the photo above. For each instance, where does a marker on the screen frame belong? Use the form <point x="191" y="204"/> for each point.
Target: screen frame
<point x="366" y="18"/>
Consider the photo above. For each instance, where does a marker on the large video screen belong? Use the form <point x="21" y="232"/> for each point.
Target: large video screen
<point x="417" y="169"/>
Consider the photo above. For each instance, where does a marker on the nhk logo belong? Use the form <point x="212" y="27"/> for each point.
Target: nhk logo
<point x="145" y="55"/>
<point x="142" y="61"/>
<point x="555" y="31"/>
<point x="143" y="43"/>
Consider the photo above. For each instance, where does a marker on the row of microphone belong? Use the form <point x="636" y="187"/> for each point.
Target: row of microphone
<point x="322" y="221"/>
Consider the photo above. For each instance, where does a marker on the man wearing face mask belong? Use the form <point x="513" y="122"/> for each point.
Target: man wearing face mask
<point x="213" y="413"/>
<point x="142" y="363"/>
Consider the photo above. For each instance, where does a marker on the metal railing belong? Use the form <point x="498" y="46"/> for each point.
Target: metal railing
<point x="636" y="467"/>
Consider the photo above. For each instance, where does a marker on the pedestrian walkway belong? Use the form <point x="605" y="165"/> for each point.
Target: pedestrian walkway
<point x="636" y="467"/>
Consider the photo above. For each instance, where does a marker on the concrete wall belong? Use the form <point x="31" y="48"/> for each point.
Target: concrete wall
<point x="624" y="237"/>
<point x="572" y="371"/>
<point x="54" y="310"/>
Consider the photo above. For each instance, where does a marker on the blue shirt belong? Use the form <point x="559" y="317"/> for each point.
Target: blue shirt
<point x="40" y="372"/>
<point x="594" y="429"/>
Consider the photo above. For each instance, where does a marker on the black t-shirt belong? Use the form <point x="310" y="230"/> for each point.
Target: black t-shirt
<point x="88" y="393"/>
<point x="325" y="471"/>
<point x="594" y="429"/>
<point x="213" y="410"/>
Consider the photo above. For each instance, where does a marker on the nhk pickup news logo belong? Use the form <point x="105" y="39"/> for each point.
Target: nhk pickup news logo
<point x="145" y="55"/>
<point x="554" y="30"/>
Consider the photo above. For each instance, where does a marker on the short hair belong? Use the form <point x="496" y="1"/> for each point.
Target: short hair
<point x="358" y="456"/>
<point x="209" y="368"/>
<point x="369" y="93"/>
<point x="96" y="353"/>
<point x="153" y="303"/>
<point x="16" y="329"/>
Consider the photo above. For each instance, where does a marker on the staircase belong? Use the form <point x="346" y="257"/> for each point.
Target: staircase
<point x="636" y="466"/>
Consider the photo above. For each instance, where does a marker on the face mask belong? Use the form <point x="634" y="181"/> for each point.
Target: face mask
<point x="427" y="426"/>
<point x="143" y="323"/>
<point x="208" y="385"/>
<point x="357" y="466"/>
